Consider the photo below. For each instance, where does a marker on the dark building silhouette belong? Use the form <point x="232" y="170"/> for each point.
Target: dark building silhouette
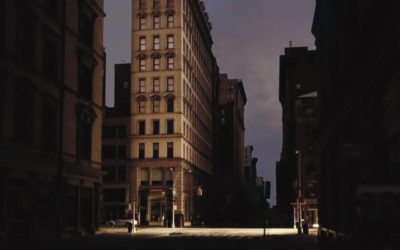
<point x="230" y="174"/>
<point x="122" y="91"/>
<point x="358" y="46"/>
<point x="51" y="106"/>
<point x="115" y="149"/>
<point x="297" y="169"/>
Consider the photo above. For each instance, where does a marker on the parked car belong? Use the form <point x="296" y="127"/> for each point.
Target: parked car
<point x="120" y="222"/>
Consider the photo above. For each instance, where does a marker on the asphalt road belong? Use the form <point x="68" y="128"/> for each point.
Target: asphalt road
<point x="188" y="239"/>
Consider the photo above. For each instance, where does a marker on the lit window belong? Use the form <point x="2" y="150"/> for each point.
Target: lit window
<point x="170" y="21"/>
<point x="156" y="64"/>
<point x="142" y="85"/>
<point x="142" y="107"/>
<point x="156" y="22"/>
<point x="142" y="65"/>
<point x="170" y="84"/>
<point x="170" y="62"/>
<point x="170" y="41"/>
<point x="156" y="85"/>
<point x="142" y="43"/>
<point x="156" y="106"/>
<point x="156" y="43"/>
<point x="142" y="24"/>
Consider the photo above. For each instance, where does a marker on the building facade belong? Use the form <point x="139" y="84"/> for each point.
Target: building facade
<point x="51" y="105"/>
<point x="297" y="169"/>
<point x="230" y="174"/>
<point x="173" y="78"/>
<point x="359" y="123"/>
<point x="115" y="150"/>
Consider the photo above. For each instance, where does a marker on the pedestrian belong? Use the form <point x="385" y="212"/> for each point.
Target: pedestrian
<point x="298" y="228"/>
<point x="305" y="225"/>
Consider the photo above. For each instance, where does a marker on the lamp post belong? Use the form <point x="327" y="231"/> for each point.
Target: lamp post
<point x="173" y="195"/>
<point x="133" y="215"/>
<point x="298" y="200"/>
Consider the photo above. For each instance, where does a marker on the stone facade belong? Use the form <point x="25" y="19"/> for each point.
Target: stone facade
<point x="172" y="90"/>
<point x="51" y="108"/>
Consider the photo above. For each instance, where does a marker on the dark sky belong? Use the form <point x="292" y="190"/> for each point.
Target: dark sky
<point x="249" y="36"/>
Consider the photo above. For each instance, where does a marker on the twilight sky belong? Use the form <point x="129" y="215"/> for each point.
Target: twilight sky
<point x="249" y="36"/>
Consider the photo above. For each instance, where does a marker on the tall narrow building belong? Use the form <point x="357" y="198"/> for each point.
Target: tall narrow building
<point x="297" y="171"/>
<point x="172" y="74"/>
<point x="230" y="174"/>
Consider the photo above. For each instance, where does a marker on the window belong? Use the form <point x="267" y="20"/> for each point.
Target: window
<point x="156" y="105"/>
<point x="25" y="39"/>
<point x="170" y="150"/>
<point x="142" y="106"/>
<point x="108" y="152"/>
<point x="156" y="22"/>
<point x="110" y="174"/>
<point x="142" y="43"/>
<point x="121" y="173"/>
<point x="144" y="176"/>
<point x="170" y="126"/>
<point x="170" y="21"/>
<point x="51" y="56"/>
<point x="168" y="178"/>
<point x="156" y="84"/>
<point x="141" y="151"/>
<point x="85" y="118"/>
<point x="170" y="62"/>
<point x="86" y="26"/>
<point x="142" y="4"/>
<point x="52" y="8"/>
<point x="170" y="41"/>
<point x="23" y="106"/>
<point x="156" y="63"/>
<point x="170" y="105"/>
<point x="142" y="23"/>
<point x="49" y="125"/>
<point x="142" y="64"/>
<point x="155" y="150"/>
<point x="142" y="85"/>
<point x="156" y="176"/>
<point x="85" y="81"/>
<point x="122" y="132"/>
<point x="114" y="195"/>
<point x="170" y="84"/>
<point x="156" y="43"/>
<point x="156" y="4"/>
<point x="109" y="132"/>
<point x="121" y="152"/>
<point x="156" y="127"/>
<point x="170" y="3"/>
<point x="142" y="127"/>
<point x="84" y="149"/>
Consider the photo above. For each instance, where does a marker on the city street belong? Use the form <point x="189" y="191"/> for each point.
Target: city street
<point x="191" y="239"/>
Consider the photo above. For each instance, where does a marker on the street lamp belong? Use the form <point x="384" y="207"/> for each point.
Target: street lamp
<point x="173" y="195"/>
<point x="133" y="215"/>
<point x="298" y="200"/>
